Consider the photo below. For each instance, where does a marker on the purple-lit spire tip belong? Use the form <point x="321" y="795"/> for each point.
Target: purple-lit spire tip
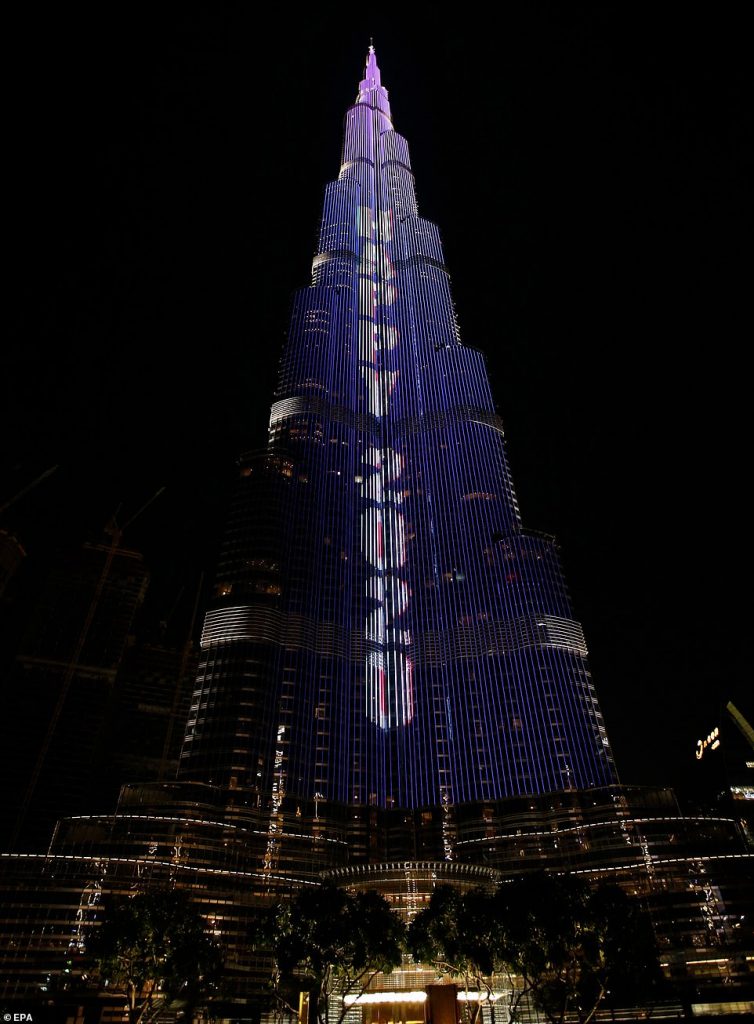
<point x="371" y="89"/>
<point x="371" y="71"/>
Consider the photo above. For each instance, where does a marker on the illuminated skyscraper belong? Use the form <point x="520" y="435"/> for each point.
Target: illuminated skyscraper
<point x="393" y="688"/>
<point x="385" y="632"/>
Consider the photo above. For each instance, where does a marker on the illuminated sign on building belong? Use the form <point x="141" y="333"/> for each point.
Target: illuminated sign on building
<point x="712" y="742"/>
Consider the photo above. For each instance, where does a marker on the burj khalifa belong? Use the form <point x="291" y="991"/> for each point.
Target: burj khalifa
<point x="384" y="630"/>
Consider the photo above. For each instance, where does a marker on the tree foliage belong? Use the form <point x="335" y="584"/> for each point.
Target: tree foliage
<point x="330" y="941"/>
<point x="459" y="935"/>
<point x="154" y="948"/>
<point x="574" y="945"/>
<point x="570" y="946"/>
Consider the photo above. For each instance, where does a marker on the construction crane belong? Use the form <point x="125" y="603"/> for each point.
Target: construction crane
<point x="29" y="487"/>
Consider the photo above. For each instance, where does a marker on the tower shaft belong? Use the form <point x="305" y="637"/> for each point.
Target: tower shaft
<point x="384" y="630"/>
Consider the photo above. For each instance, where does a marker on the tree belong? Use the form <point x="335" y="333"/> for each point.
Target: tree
<point x="561" y="943"/>
<point x="458" y="934"/>
<point x="331" y="942"/>
<point x="154" y="948"/>
<point x="573" y="945"/>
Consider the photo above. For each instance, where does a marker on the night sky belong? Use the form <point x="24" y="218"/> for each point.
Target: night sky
<point x="588" y="168"/>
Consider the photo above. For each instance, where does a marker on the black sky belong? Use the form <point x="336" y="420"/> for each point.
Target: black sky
<point x="588" y="167"/>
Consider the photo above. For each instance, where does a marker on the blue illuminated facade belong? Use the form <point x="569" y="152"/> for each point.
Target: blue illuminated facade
<point x="384" y="631"/>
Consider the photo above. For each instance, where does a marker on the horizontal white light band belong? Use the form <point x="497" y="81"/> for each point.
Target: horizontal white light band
<point x="259" y="624"/>
<point x="416" y="997"/>
<point x="385" y="997"/>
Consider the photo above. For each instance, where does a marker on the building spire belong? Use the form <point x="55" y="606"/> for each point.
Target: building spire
<point x="371" y="90"/>
<point x="371" y="71"/>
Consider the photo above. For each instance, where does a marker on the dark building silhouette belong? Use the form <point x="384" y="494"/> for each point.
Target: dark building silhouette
<point x="59" y="693"/>
<point x="150" y="704"/>
<point x="721" y="763"/>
